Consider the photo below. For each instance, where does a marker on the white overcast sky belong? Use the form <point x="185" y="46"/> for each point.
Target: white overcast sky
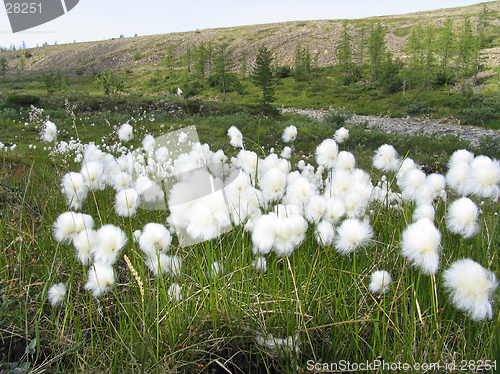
<point x="92" y="20"/>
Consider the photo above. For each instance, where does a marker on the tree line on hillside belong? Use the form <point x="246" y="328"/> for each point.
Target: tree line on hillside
<point x="433" y="57"/>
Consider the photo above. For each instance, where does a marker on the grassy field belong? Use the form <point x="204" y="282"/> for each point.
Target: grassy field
<point x="311" y="308"/>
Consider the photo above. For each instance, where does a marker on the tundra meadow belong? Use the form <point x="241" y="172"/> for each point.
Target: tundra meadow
<point x="135" y="247"/>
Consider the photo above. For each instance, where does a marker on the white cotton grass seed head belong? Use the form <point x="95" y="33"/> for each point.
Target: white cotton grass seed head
<point x="484" y="178"/>
<point x="155" y="238"/>
<point x="471" y="288"/>
<point x="273" y="184"/>
<point x="326" y="153"/>
<point x="215" y="270"/>
<point x="460" y="156"/>
<point x="260" y="264"/>
<point x="69" y="224"/>
<point x="174" y="292"/>
<point x="436" y="181"/>
<point x="136" y="234"/>
<point x="380" y="282"/>
<point x="56" y="294"/>
<point x="162" y="154"/>
<point x="315" y="208"/>
<point x="286" y="153"/>
<point x="289" y="134"/>
<point x="352" y="234"/>
<point x="264" y="233"/>
<point x="235" y="137"/>
<point x="83" y="243"/>
<point x="334" y="210"/>
<point x="462" y="217"/>
<point x="421" y="243"/>
<point x="126" y="202"/>
<point x="125" y="132"/>
<point x="324" y="233"/>
<point x="109" y="242"/>
<point x="100" y="279"/>
<point x="122" y="180"/>
<point x="386" y="158"/>
<point x="345" y="161"/>
<point x="424" y="211"/>
<point x="73" y="183"/>
<point x="148" y="143"/>
<point x="341" y="135"/>
<point x="163" y="264"/>
<point x="49" y="132"/>
<point x="457" y="176"/>
<point x="92" y="172"/>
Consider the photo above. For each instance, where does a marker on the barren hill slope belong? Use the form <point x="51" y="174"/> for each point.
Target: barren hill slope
<point x="282" y="38"/>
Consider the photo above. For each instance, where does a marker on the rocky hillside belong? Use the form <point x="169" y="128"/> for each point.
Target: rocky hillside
<point x="282" y="38"/>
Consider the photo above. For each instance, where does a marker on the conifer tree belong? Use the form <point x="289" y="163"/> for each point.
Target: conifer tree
<point x="188" y="57"/>
<point x="415" y="50"/>
<point x="170" y="58"/>
<point x="376" y="49"/>
<point x="482" y="24"/>
<point x="343" y="48"/>
<point x="200" y="60"/>
<point x="447" y="51"/>
<point x="262" y="74"/>
<point x="3" y="66"/>
<point x="468" y="48"/>
<point x="21" y="62"/>
<point x="303" y="63"/>
<point x="224" y="63"/>
<point x="360" y="54"/>
<point x="243" y="66"/>
<point x="429" y="57"/>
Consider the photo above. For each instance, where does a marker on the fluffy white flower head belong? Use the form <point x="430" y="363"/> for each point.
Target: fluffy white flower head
<point x="125" y="132"/>
<point x="155" y="238"/>
<point x="352" y="234"/>
<point x="421" y="244"/>
<point x="326" y="153"/>
<point x="126" y="202"/>
<point x="69" y="224"/>
<point x="56" y="294"/>
<point x="109" y="242"/>
<point x="235" y="136"/>
<point x="148" y="143"/>
<point x="380" y="281"/>
<point x="174" y="292"/>
<point x="471" y="288"/>
<point x="100" y="279"/>
<point x="341" y="135"/>
<point x="289" y="134"/>
<point x="484" y="178"/>
<point x="386" y="158"/>
<point x="461" y="217"/>
<point x="260" y="264"/>
<point x="49" y="132"/>
<point x="83" y="243"/>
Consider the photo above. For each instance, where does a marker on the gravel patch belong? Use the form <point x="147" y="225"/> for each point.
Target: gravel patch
<point x="408" y="126"/>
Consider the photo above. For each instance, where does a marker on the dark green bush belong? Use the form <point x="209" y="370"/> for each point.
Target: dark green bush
<point x="80" y="70"/>
<point x="283" y="71"/>
<point x="489" y="146"/>
<point x="417" y="107"/>
<point x="337" y="118"/>
<point x="18" y="101"/>
<point x="482" y="110"/>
